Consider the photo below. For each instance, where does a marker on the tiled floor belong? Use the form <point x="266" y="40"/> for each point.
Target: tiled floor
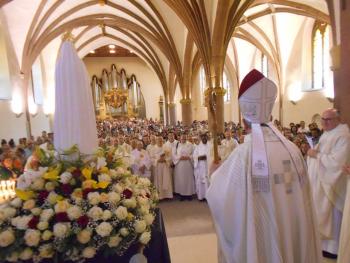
<point x="190" y="231"/>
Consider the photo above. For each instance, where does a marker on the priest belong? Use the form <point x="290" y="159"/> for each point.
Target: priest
<point x="328" y="180"/>
<point x="260" y="196"/>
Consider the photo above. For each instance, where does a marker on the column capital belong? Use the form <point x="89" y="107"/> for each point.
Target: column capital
<point x="185" y="101"/>
<point x="219" y="91"/>
<point x="171" y="105"/>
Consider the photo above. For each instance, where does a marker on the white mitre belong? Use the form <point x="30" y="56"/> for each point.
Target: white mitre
<point x="256" y="97"/>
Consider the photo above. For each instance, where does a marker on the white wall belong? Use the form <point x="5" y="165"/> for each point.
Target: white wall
<point x="149" y="82"/>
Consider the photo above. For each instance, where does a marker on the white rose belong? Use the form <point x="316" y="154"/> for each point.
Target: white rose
<point x="49" y="186"/>
<point x="117" y="188"/>
<point x="94" y="198"/>
<point x="32" y="237"/>
<point x="101" y="162"/>
<point x="26" y="254"/>
<point x="36" y="211"/>
<point x="144" y="181"/>
<point x="9" y="212"/>
<point x="46" y="214"/>
<point x="104" y="229"/>
<point x="46" y="251"/>
<point x="142" y="200"/>
<point x="120" y="170"/>
<point x="124" y="231"/>
<point x="74" y="212"/>
<point x="145" y="238"/>
<point x="38" y="184"/>
<point x="43" y="225"/>
<point x="106" y="215"/>
<point x="13" y="257"/>
<point x="121" y="212"/>
<point x="144" y="209"/>
<point x="89" y="252"/>
<point x="149" y="218"/>
<point x="6" y="238"/>
<point x="17" y="202"/>
<point x="113" y="174"/>
<point x="65" y="177"/>
<point x="52" y="198"/>
<point x="22" y="222"/>
<point x="140" y="226"/>
<point x="29" y="204"/>
<point x="62" y="206"/>
<point x="84" y="236"/>
<point x="114" y="241"/>
<point x="47" y="234"/>
<point x="104" y="178"/>
<point x="95" y="213"/>
<point x="113" y="197"/>
<point x="61" y="230"/>
<point x="130" y="203"/>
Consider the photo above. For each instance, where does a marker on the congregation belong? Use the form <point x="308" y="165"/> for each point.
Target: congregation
<point x="175" y="158"/>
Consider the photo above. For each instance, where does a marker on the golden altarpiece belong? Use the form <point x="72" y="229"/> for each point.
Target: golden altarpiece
<point x="117" y="96"/>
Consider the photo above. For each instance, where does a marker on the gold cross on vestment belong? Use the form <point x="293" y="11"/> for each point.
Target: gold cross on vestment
<point x="287" y="177"/>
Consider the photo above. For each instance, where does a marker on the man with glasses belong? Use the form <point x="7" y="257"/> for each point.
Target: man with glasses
<point x="328" y="181"/>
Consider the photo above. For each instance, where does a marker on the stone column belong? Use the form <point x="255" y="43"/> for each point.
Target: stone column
<point x="342" y="81"/>
<point x="172" y="113"/>
<point x="161" y="109"/>
<point x="166" y="113"/>
<point x="186" y="108"/>
<point x="219" y="108"/>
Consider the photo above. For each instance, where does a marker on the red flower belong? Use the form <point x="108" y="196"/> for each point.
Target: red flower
<point x="33" y="222"/>
<point x="83" y="221"/>
<point x="42" y="196"/>
<point x="76" y="173"/>
<point x="86" y="192"/>
<point x="66" y="189"/>
<point x="127" y="193"/>
<point x="62" y="217"/>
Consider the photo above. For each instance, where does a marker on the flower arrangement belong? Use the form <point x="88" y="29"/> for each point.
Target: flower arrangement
<point x="72" y="209"/>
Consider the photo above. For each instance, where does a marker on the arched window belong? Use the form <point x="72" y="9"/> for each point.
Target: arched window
<point x="202" y="84"/>
<point x="264" y="65"/>
<point x="227" y="87"/>
<point x="321" y="73"/>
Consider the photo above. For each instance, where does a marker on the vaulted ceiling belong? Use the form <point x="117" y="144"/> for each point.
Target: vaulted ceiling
<point x="172" y="36"/>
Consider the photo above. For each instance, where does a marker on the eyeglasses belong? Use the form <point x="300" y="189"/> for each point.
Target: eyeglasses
<point x="327" y="119"/>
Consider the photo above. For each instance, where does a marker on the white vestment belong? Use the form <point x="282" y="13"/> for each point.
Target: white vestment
<point x="151" y="150"/>
<point x="162" y="174"/>
<point x="183" y="175"/>
<point x="123" y="151"/>
<point x="278" y="226"/>
<point x="328" y="183"/>
<point x="201" y="169"/>
<point x="139" y="159"/>
<point x="344" y="244"/>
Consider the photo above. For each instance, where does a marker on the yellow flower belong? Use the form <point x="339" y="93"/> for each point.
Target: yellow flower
<point x="104" y="170"/>
<point x="130" y="216"/>
<point x="52" y="175"/>
<point x="87" y="173"/>
<point x="24" y="195"/>
<point x="102" y="185"/>
<point x="89" y="184"/>
<point x="78" y="193"/>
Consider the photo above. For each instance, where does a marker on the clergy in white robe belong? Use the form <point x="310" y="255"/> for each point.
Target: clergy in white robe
<point x="184" y="184"/>
<point x="260" y="197"/>
<point x="151" y="149"/>
<point x="162" y="173"/>
<point x="328" y="181"/>
<point x="123" y="150"/>
<point x="228" y="145"/>
<point x="140" y="161"/>
<point x="201" y="154"/>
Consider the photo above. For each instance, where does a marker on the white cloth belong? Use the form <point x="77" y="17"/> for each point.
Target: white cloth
<point x="183" y="174"/>
<point x="162" y="174"/>
<point x="74" y="119"/>
<point x="138" y="160"/>
<point x="278" y="226"/>
<point x="201" y="169"/>
<point x="124" y="151"/>
<point x="344" y="244"/>
<point x="329" y="183"/>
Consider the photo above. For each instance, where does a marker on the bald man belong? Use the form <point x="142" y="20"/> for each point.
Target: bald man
<point x="328" y="180"/>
